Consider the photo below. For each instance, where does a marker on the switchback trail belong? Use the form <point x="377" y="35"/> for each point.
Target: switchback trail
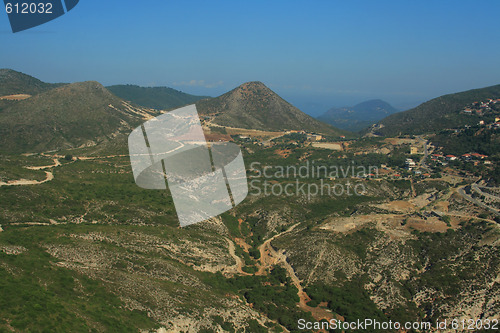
<point x="269" y="257"/>
<point x="48" y="177"/>
<point x="48" y="174"/>
<point x="239" y="262"/>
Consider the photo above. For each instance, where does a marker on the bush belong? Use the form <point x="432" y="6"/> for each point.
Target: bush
<point x="254" y="253"/>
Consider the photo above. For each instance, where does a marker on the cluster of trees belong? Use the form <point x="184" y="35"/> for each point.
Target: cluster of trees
<point x="434" y="250"/>
<point x="350" y="300"/>
<point x="274" y="295"/>
<point x="298" y="137"/>
<point x="472" y="140"/>
<point x="42" y="296"/>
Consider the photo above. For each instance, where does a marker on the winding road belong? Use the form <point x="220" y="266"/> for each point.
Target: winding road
<point x="48" y="176"/>
<point x="462" y="193"/>
<point x="232" y="253"/>
<point x="269" y="257"/>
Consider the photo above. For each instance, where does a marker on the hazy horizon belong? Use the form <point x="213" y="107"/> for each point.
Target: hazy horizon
<point x="329" y="54"/>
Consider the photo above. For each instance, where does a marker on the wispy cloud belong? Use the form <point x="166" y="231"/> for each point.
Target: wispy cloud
<point x="199" y="83"/>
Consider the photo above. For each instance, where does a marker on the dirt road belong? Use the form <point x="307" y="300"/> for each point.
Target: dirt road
<point x="48" y="177"/>
<point x="239" y="262"/>
<point x="269" y="257"/>
<point x="265" y="249"/>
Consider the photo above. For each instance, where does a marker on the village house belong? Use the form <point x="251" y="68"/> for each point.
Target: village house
<point x="410" y="163"/>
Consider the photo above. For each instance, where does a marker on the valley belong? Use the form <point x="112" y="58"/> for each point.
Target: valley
<point x="81" y="245"/>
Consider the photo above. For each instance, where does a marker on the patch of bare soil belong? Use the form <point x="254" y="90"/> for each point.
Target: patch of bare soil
<point x="442" y="206"/>
<point x="48" y="177"/>
<point x="398" y="141"/>
<point x="398" y="206"/>
<point x="327" y="145"/>
<point x="241" y="243"/>
<point x="431" y="224"/>
<point x="346" y="224"/>
<point x="422" y="200"/>
<point x="284" y="153"/>
<point x="251" y="133"/>
<point x="396" y="226"/>
<point x="17" y="97"/>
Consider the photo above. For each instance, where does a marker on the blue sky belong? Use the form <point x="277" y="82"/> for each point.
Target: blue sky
<point x="316" y="54"/>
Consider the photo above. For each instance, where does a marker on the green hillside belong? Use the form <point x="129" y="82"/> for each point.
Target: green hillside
<point x="436" y="114"/>
<point x="12" y="82"/>
<point x="72" y="115"/>
<point x="161" y="98"/>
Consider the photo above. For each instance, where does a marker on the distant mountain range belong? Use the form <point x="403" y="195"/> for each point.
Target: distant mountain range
<point x="160" y="98"/>
<point x="58" y="116"/>
<point x="358" y="117"/>
<point x="253" y="105"/>
<point x="55" y="116"/>
<point x="434" y="115"/>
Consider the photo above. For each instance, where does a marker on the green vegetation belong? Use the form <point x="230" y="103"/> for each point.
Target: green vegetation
<point x="39" y="296"/>
<point x="350" y="300"/>
<point x="368" y="142"/>
<point x="160" y="98"/>
<point x="471" y="140"/>
<point x="103" y="190"/>
<point x="450" y="265"/>
<point x="429" y="186"/>
<point x="14" y="168"/>
<point x="358" y="241"/>
<point x="99" y="190"/>
<point x="48" y="125"/>
<point x="231" y="223"/>
<point x="297" y="137"/>
<point x="107" y="246"/>
<point x="274" y="295"/>
<point x="12" y="82"/>
<point x="446" y="219"/>
<point x="430" y="116"/>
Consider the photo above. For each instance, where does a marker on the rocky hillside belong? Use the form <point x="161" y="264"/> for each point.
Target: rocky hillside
<point x="12" y="82"/>
<point x="253" y="105"/>
<point x="68" y="116"/>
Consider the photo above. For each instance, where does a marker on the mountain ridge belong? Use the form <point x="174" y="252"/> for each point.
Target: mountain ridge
<point x="357" y="117"/>
<point x="82" y="113"/>
<point x="87" y="113"/>
<point x="432" y="115"/>
<point x="14" y="82"/>
<point x="252" y="105"/>
<point x="160" y="98"/>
